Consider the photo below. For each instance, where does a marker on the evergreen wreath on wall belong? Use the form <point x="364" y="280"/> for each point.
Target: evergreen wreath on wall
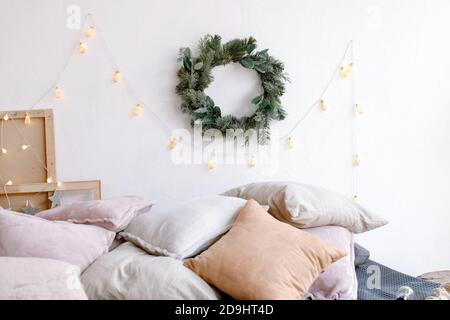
<point x="195" y="76"/>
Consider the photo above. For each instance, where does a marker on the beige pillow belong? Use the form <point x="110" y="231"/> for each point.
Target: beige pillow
<point x="130" y="273"/>
<point x="263" y="258"/>
<point x="306" y="206"/>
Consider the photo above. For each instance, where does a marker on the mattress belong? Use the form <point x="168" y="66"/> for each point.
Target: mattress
<point x="389" y="284"/>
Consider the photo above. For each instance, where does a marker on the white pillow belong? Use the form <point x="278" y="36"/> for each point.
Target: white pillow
<point x="306" y="206"/>
<point x="39" y="279"/>
<point x="130" y="273"/>
<point x="186" y="229"/>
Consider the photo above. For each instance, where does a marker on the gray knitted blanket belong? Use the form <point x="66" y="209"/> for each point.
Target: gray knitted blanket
<point x="378" y="282"/>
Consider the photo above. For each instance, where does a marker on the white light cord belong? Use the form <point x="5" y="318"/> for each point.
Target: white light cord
<point x="324" y="91"/>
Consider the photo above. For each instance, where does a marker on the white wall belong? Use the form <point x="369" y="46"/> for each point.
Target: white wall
<point x="402" y="51"/>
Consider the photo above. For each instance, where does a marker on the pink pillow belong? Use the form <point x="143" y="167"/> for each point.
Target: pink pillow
<point x="112" y="214"/>
<point x="339" y="281"/>
<point x="39" y="279"/>
<point x="23" y="235"/>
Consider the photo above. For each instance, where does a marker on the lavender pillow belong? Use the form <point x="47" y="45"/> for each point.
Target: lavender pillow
<point x="23" y="235"/>
<point x="339" y="281"/>
<point x="112" y="214"/>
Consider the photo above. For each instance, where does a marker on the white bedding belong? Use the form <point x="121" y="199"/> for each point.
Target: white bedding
<point x="130" y="273"/>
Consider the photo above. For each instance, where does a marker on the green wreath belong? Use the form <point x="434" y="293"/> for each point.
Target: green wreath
<point x="195" y="76"/>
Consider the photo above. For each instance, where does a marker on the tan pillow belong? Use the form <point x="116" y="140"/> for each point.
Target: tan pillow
<point x="263" y="258"/>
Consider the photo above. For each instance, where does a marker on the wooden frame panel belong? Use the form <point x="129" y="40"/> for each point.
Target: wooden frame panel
<point x="18" y="194"/>
<point x="21" y="167"/>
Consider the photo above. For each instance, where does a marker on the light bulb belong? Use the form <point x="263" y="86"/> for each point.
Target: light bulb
<point x="173" y="143"/>
<point x="9" y="183"/>
<point x="355" y="160"/>
<point x="58" y="93"/>
<point x="290" y="143"/>
<point x="25" y="147"/>
<point x="90" y="32"/>
<point x="4" y="151"/>
<point x="137" y="111"/>
<point x="211" y="165"/>
<point x="343" y="72"/>
<point x="49" y="180"/>
<point x="350" y="67"/>
<point x="6" y="117"/>
<point x="83" y="48"/>
<point x="59" y="184"/>
<point x="359" y="110"/>
<point x="355" y="198"/>
<point x="346" y="70"/>
<point x="252" y="162"/>
<point x="27" y="119"/>
<point x="323" y="105"/>
<point x="117" y="77"/>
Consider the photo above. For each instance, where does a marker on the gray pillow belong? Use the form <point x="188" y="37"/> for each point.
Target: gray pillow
<point x="306" y="206"/>
<point x="361" y="255"/>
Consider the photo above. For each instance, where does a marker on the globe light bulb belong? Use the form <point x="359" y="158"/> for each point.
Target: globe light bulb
<point x="27" y="120"/>
<point x="58" y="93"/>
<point x="49" y="180"/>
<point x="173" y="143"/>
<point x="346" y="70"/>
<point x="6" y="117"/>
<point x="9" y="183"/>
<point x="83" y="48"/>
<point x="25" y="147"/>
<point x="290" y="143"/>
<point x="253" y="162"/>
<point x="59" y="184"/>
<point x="117" y="77"/>
<point x="350" y="67"/>
<point x="90" y="32"/>
<point x="211" y="165"/>
<point x="4" y="151"/>
<point x="323" y="105"/>
<point x="137" y="111"/>
<point x="355" y="160"/>
<point x="343" y="72"/>
<point x="359" y="110"/>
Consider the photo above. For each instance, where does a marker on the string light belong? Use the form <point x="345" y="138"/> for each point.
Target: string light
<point x="27" y="120"/>
<point x="58" y="93"/>
<point x="117" y="77"/>
<point x="25" y="146"/>
<point x="355" y="198"/>
<point x="323" y="105"/>
<point x="90" y="32"/>
<point x="6" y="117"/>
<point x="355" y="160"/>
<point x="4" y="151"/>
<point x="343" y="70"/>
<point x="59" y="184"/>
<point x="290" y="143"/>
<point x="253" y="162"/>
<point x="211" y="165"/>
<point x="9" y="183"/>
<point x="173" y="143"/>
<point x="49" y="180"/>
<point x="137" y="111"/>
<point x="83" y="48"/>
<point x="358" y="109"/>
